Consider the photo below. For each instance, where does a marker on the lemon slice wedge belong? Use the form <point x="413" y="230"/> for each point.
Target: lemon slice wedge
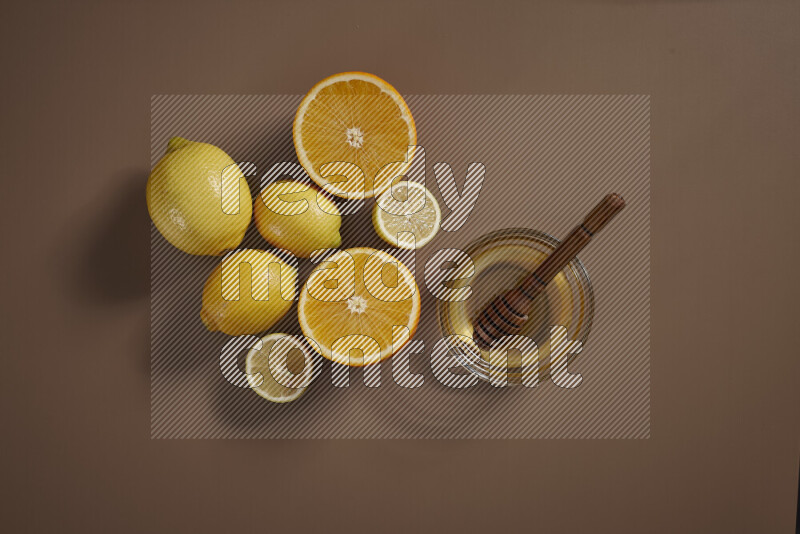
<point x="280" y="368"/>
<point x="407" y="215"/>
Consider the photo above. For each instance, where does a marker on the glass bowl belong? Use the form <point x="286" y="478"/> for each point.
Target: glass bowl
<point x="501" y="260"/>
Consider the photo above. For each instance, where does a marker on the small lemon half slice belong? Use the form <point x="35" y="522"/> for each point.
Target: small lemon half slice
<point x="280" y="368"/>
<point x="407" y="209"/>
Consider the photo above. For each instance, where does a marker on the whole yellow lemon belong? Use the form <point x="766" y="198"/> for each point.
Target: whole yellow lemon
<point x="198" y="198"/>
<point x="297" y="217"/>
<point x="248" y="292"/>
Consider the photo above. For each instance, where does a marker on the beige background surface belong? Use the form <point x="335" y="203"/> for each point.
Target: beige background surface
<point x="723" y="453"/>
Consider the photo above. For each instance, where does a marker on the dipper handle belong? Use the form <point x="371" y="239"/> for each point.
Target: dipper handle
<point x="506" y="314"/>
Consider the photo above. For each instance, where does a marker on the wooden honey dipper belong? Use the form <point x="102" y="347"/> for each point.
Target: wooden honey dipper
<point x="506" y="314"/>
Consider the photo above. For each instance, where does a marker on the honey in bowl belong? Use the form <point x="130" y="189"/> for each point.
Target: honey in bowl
<point x="501" y="260"/>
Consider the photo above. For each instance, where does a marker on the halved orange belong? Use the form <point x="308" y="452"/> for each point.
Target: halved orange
<point x="352" y="134"/>
<point x="359" y="306"/>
